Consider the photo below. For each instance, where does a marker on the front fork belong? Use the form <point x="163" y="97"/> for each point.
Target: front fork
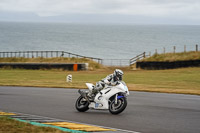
<point x="118" y="97"/>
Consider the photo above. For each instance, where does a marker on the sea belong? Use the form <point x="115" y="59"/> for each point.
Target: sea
<point x="106" y="41"/>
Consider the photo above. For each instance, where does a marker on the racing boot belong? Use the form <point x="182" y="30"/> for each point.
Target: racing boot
<point x="91" y="94"/>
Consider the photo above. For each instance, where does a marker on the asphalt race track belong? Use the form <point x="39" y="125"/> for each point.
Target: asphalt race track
<point x="145" y="113"/>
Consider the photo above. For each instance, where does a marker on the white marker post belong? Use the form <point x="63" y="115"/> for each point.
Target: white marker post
<point x="69" y="78"/>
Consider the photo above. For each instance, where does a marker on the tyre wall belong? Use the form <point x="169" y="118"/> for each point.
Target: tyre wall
<point x="156" y="65"/>
<point x="64" y="66"/>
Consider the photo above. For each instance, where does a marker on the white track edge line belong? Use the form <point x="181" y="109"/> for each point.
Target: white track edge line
<point x="128" y="131"/>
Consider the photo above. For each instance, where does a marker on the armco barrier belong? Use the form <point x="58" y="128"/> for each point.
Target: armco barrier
<point x="64" y="66"/>
<point x="156" y="65"/>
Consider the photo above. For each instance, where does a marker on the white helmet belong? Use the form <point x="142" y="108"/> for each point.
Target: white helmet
<point x="118" y="74"/>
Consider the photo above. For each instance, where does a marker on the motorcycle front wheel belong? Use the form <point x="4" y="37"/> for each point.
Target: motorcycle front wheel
<point x="119" y="107"/>
<point x="82" y="104"/>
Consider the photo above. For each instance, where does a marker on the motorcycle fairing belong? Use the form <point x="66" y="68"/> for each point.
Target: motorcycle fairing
<point x="102" y="98"/>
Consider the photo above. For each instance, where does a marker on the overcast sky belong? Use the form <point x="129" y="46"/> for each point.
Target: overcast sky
<point x="102" y="11"/>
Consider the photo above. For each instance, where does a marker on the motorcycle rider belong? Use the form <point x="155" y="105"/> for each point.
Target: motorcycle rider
<point x="110" y="80"/>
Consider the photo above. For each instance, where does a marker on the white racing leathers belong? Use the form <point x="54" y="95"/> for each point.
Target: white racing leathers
<point x="110" y="80"/>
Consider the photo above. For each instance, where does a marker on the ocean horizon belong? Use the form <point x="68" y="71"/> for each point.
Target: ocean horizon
<point x="107" y="41"/>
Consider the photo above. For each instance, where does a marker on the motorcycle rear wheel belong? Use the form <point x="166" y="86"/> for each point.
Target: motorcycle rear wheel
<point x="82" y="104"/>
<point x="119" y="107"/>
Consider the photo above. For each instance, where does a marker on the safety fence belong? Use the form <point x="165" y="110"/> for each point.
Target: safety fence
<point x="45" y="54"/>
<point x="174" y="50"/>
<point x="52" y="54"/>
<point x="136" y="58"/>
<point x="116" y="62"/>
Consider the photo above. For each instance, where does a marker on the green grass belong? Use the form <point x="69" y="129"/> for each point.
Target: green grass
<point x="174" y="56"/>
<point x="185" y="80"/>
<point x="8" y="125"/>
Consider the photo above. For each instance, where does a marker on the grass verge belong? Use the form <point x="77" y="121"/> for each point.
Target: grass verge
<point x="174" y="56"/>
<point x="8" y="125"/>
<point x="185" y="80"/>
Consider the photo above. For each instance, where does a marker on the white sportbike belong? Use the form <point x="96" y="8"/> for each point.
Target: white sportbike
<point x="112" y="98"/>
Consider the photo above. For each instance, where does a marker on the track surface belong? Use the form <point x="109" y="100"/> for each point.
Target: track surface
<point x="146" y="112"/>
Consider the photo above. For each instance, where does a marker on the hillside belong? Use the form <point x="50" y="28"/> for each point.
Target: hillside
<point x="174" y="57"/>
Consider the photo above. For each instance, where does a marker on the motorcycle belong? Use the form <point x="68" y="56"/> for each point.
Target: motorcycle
<point x="112" y="98"/>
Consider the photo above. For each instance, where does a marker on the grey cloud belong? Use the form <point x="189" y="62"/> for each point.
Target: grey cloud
<point x="187" y="9"/>
<point x="95" y="6"/>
